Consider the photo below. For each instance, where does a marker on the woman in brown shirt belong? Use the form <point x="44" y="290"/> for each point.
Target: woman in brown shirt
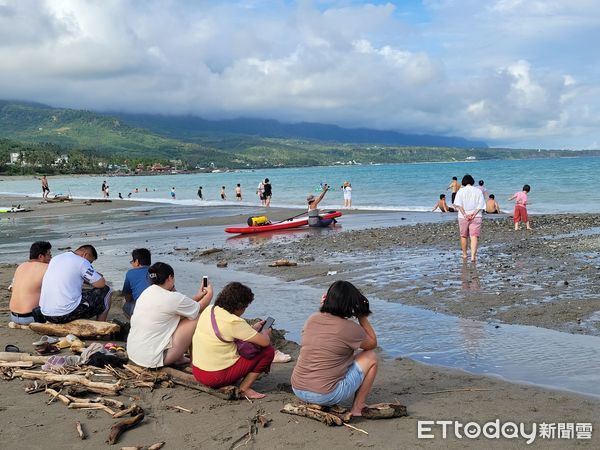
<point x="328" y="371"/>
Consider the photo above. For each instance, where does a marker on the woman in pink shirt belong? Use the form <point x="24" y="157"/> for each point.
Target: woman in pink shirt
<point x="520" y="213"/>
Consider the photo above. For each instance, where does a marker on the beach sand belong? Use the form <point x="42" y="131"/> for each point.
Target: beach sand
<point x="429" y="392"/>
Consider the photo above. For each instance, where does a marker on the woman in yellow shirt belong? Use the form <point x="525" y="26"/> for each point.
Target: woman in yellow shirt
<point x="216" y="361"/>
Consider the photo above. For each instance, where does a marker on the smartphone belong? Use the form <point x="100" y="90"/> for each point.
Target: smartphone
<point x="268" y="323"/>
<point x="205" y="281"/>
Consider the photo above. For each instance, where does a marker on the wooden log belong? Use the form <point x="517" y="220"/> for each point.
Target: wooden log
<point x="82" y="328"/>
<point x="118" y="428"/>
<point x="283" y="263"/>
<point x="16" y="363"/>
<point x="94" y="386"/>
<point x="109" y="402"/>
<point x="315" y="414"/>
<point x="90" y="405"/>
<point x="210" y="251"/>
<point x="79" y="428"/>
<point x="17" y="326"/>
<point x="186" y="379"/>
<point x="58" y="395"/>
<point x="384" y="411"/>
<point x="156" y="446"/>
<point x="10" y="357"/>
<point x="134" y="410"/>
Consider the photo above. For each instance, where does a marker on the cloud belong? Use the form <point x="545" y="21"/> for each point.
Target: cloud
<point x="511" y="72"/>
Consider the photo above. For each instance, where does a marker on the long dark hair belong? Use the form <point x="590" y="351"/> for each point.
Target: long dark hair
<point x="159" y="272"/>
<point x="343" y="299"/>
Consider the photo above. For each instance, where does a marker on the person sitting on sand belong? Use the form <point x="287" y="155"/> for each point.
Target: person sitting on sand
<point x="314" y="220"/>
<point x="63" y="298"/>
<point x="470" y="204"/>
<point x="216" y="360"/>
<point x="328" y="371"/>
<point x="442" y="205"/>
<point x="26" y="285"/>
<point x="136" y="279"/>
<point x="491" y="205"/>
<point x="164" y="320"/>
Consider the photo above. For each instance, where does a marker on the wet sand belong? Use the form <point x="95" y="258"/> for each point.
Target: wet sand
<point x="429" y="392"/>
<point x="547" y="277"/>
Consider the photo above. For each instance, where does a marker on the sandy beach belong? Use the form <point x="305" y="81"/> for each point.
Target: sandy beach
<point x="547" y="278"/>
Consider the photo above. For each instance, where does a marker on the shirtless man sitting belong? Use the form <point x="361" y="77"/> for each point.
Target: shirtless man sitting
<point x="442" y="205"/>
<point x="27" y="283"/>
<point x="491" y="205"/>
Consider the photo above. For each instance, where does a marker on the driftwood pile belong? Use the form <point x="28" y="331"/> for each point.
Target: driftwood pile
<point x="93" y="388"/>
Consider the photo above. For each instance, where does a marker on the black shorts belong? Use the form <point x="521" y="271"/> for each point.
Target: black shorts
<point x="45" y="189"/>
<point x="93" y="302"/>
<point x="238" y="195"/>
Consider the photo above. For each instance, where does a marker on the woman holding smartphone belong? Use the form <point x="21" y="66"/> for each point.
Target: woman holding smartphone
<point x="216" y="361"/>
<point x="164" y="320"/>
<point x="329" y="371"/>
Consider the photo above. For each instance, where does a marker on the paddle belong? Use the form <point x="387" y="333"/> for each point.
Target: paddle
<point x="291" y="218"/>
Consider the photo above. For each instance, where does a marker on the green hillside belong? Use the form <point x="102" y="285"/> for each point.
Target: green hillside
<point x="104" y="135"/>
<point x="106" y="139"/>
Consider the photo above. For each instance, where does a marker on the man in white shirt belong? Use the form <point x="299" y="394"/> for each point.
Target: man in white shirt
<point x="470" y="204"/>
<point x="62" y="299"/>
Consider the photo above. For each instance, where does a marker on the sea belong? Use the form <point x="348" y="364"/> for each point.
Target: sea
<point x="558" y="185"/>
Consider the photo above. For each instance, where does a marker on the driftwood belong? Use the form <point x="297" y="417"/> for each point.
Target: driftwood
<point x="187" y="380"/>
<point x="134" y="410"/>
<point x="16" y="363"/>
<point x="210" y="251"/>
<point x="93" y="386"/>
<point x="384" y="411"/>
<point x="9" y="356"/>
<point x="156" y="446"/>
<point x="57" y="395"/>
<point x="90" y="405"/>
<point x="311" y="413"/>
<point x="179" y="409"/>
<point x="283" y="263"/>
<point x="17" y="326"/>
<point x="79" y="429"/>
<point x="118" y="428"/>
<point x="81" y="327"/>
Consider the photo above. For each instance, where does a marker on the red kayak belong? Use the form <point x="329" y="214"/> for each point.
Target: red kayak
<point x="290" y="223"/>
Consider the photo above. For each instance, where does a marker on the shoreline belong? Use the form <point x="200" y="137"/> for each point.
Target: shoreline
<point x="430" y="392"/>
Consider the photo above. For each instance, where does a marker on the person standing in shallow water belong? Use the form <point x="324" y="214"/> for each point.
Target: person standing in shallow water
<point x="45" y="188"/>
<point x="200" y="192"/>
<point x="173" y="195"/>
<point x="267" y="193"/>
<point x="470" y="204"/>
<point x="238" y="192"/>
<point x="455" y="186"/>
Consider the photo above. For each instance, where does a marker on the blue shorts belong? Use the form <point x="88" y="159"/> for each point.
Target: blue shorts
<point x="343" y="392"/>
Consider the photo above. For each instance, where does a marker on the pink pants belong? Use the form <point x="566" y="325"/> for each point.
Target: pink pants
<point x="241" y="368"/>
<point x="470" y="227"/>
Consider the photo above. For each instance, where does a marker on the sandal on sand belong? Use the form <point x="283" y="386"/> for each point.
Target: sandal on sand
<point x="281" y="357"/>
<point x="47" y="349"/>
<point x="45" y="340"/>
<point x="12" y="349"/>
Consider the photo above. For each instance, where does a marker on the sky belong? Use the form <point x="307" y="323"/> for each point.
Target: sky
<point x="513" y="73"/>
